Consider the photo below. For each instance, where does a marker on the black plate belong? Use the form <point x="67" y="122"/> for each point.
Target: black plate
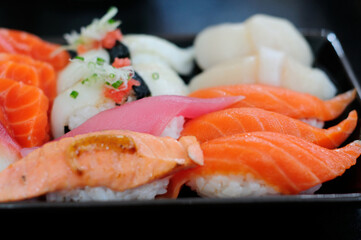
<point x="342" y="192"/>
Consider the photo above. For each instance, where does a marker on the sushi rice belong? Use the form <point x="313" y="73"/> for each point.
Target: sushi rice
<point x="232" y="186"/>
<point x="145" y="192"/>
<point x="221" y="186"/>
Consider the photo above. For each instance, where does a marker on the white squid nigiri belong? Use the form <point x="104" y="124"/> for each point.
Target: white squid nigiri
<point x="75" y="71"/>
<point x="152" y="49"/>
<point x="222" y="42"/>
<point x="70" y="112"/>
<point x="161" y="79"/>
<point x="267" y="66"/>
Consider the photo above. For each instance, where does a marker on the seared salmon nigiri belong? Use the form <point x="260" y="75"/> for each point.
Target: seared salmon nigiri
<point x="116" y="159"/>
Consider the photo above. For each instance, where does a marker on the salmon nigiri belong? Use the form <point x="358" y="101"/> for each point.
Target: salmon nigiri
<point x="238" y="120"/>
<point x="45" y="77"/>
<point x="285" y="101"/>
<point x="263" y="163"/>
<point x="15" y="41"/>
<point x="117" y="159"/>
<point x="26" y="109"/>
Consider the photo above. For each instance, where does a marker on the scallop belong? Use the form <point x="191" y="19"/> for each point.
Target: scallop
<point x="267" y="66"/>
<point x="225" y="41"/>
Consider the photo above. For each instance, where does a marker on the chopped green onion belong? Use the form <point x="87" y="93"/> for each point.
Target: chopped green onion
<point x="100" y="61"/>
<point x="117" y="84"/>
<point x="111" y="75"/>
<point x="107" y="83"/>
<point x="80" y="58"/>
<point x="95" y="75"/>
<point x="91" y="65"/>
<point x="110" y="21"/>
<point x="74" y="94"/>
<point x="85" y="80"/>
<point x="155" y="76"/>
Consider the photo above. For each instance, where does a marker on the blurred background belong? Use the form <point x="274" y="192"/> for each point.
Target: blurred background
<point x="51" y="19"/>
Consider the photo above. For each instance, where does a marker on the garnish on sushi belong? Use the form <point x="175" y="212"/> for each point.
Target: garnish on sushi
<point x="103" y="32"/>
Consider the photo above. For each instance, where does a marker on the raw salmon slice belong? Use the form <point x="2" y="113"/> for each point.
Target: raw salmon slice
<point x="20" y="72"/>
<point x="239" y="120"/>
<point x="284" y="162"/>
<point x="118" y="159"/>
<point x="15" y="41"/>
<point x="46" y="74"/>
<point x="26" y="109"/>
<point x="282" y="100"/>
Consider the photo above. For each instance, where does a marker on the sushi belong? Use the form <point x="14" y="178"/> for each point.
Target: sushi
<point x="263" y="163"/>
<point x="26" y="109"/>
<point x="282" y="100"/>
<point x="239" y="120"/>
<point x="76" y="70"/>
<point x="101" y="86"/>
<point x="160" y="63"/>
<point x="145" y="48"/>
<point x="267" y="66"/>
<point x="161" y="79"/>
<point x="218" y="43"/>
<point x="158" y="115"/>
<point x="118" y="160"/>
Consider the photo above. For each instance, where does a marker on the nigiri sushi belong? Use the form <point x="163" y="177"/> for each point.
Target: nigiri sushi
<point x="116" y="160"/>
<point x="267" y="66"/>
<point x="158" y="115"/>
<point x="218" y="43"/>
<point x="145" y="48"/>
<point x="161" y="79"/>
<point x="159" y="62"/>
<point x="75" y="71"/>
<point x="239" y="120"/>
<point x="285" y="101"/>
<point x="101" y="86"/>
<point x="263" y="163"/>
